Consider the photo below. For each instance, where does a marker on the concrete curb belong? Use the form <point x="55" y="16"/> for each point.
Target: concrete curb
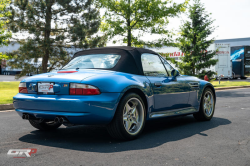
<point x="6" y="107"/>
<point x="229" y="88"/>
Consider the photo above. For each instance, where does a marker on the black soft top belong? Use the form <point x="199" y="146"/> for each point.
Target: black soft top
<point x="130" y="61"/>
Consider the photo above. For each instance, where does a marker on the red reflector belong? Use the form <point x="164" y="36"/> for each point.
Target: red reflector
<point x="67" y="71"/>
<point x="23" y="90"/>
<point x="78" y="91"/>
<point x="91" y="92"/>
<point x="72" y="91"/>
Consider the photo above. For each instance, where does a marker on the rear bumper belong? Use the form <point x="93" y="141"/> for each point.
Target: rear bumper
<point x="88" y="110"/>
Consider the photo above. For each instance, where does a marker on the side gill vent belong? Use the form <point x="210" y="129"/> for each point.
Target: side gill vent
<point x="194" y="84"/>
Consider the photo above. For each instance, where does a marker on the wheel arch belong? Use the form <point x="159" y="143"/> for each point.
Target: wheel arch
<point x="140" y="92"/>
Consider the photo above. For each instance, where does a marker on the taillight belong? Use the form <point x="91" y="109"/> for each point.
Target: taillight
<point x="83" y="89"/>
<point x="23" y="88"/>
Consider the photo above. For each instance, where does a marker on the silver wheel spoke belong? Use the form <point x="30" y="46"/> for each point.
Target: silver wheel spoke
<point x="206" y="111"/>
<point x="129" y="124"/>
<point x="133" y="110"/>
<point x="208" y="103"/>
<point x="134" y="121"/>
<point x="127" y="108"/>
<point x="133" y="116"/>
<point x="125" y="118"/>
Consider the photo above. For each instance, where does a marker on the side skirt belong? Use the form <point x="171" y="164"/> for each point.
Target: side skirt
<point x="175" y="112"/>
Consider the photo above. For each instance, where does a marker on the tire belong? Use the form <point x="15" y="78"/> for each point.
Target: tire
<point x="206" y="112"/>
<point x="243" y="78"/>
<point x="129" y="119"/>
<point x="44" y="125"/>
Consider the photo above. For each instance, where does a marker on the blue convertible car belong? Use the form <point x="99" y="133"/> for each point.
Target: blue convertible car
<point x="120" y="87"/>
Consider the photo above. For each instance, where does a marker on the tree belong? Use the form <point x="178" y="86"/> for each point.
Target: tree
<point x="4" y="34"/>
<point x="132" y="19"/>
<point x="49" y="27"/>
<point x="194" y="43"/>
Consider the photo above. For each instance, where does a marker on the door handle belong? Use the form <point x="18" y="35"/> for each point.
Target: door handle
<point x="158" y="84"/>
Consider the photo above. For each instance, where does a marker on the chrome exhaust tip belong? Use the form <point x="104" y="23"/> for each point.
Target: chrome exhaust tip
<point x="63" y="120"/>
<point x="24" y="116"/>
<point x="57" y="119"/>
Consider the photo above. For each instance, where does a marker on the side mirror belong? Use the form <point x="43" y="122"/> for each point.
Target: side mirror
<point x="175" y="73"/>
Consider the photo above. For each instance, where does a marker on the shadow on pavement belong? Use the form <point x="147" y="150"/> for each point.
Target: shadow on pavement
<point x="97" y="139"/>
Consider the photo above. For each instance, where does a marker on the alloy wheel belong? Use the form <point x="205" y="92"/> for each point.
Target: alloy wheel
<point x="208" y="103"/>
<point x="133" y="116"/>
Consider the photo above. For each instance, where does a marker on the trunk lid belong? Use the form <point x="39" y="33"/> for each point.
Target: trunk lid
<point x="59" y="81"/>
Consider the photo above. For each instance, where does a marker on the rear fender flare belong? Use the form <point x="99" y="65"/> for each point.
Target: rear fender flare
<point x="146" y="91"/>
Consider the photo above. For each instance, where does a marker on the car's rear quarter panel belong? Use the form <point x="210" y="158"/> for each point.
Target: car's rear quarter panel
<point x="98" y="109"/>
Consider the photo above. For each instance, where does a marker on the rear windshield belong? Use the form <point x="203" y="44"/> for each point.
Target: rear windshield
<point x="93" y="61"/>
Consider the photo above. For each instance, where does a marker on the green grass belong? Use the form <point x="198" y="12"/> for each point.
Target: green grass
<point x="229" y="84"/>
<point x="7" y="91"/>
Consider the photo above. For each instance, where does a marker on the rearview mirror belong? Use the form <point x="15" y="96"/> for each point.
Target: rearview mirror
<point x="175" y="73"/>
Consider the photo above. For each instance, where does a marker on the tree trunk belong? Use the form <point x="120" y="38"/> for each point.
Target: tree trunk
<point x="48" y="18"/>
<point x="193" y="70"/>
<point x="128" y="25"/>
<point x="129" y="36"/>
<point x="194" y="52"/>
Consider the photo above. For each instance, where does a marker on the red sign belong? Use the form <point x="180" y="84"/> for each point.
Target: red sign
<point x="176" y="54"/>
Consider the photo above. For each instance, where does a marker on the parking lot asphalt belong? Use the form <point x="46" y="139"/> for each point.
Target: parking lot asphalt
<point x="225" y="140"/>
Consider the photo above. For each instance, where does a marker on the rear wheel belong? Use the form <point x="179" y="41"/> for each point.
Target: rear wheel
<point x="51" y="125"/>
<point x="129" y="119"/>
<point x="207" y="106"/>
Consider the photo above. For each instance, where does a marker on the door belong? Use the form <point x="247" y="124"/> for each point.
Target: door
<point x="169" y="93"/>
<point x="247" y="62"/>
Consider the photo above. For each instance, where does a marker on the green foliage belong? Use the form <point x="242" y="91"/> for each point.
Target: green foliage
<point x="127" y="21"/>
<point x="4" y="34"/>
<point x="194" y="43"/>
<point x="49" y="27"/>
